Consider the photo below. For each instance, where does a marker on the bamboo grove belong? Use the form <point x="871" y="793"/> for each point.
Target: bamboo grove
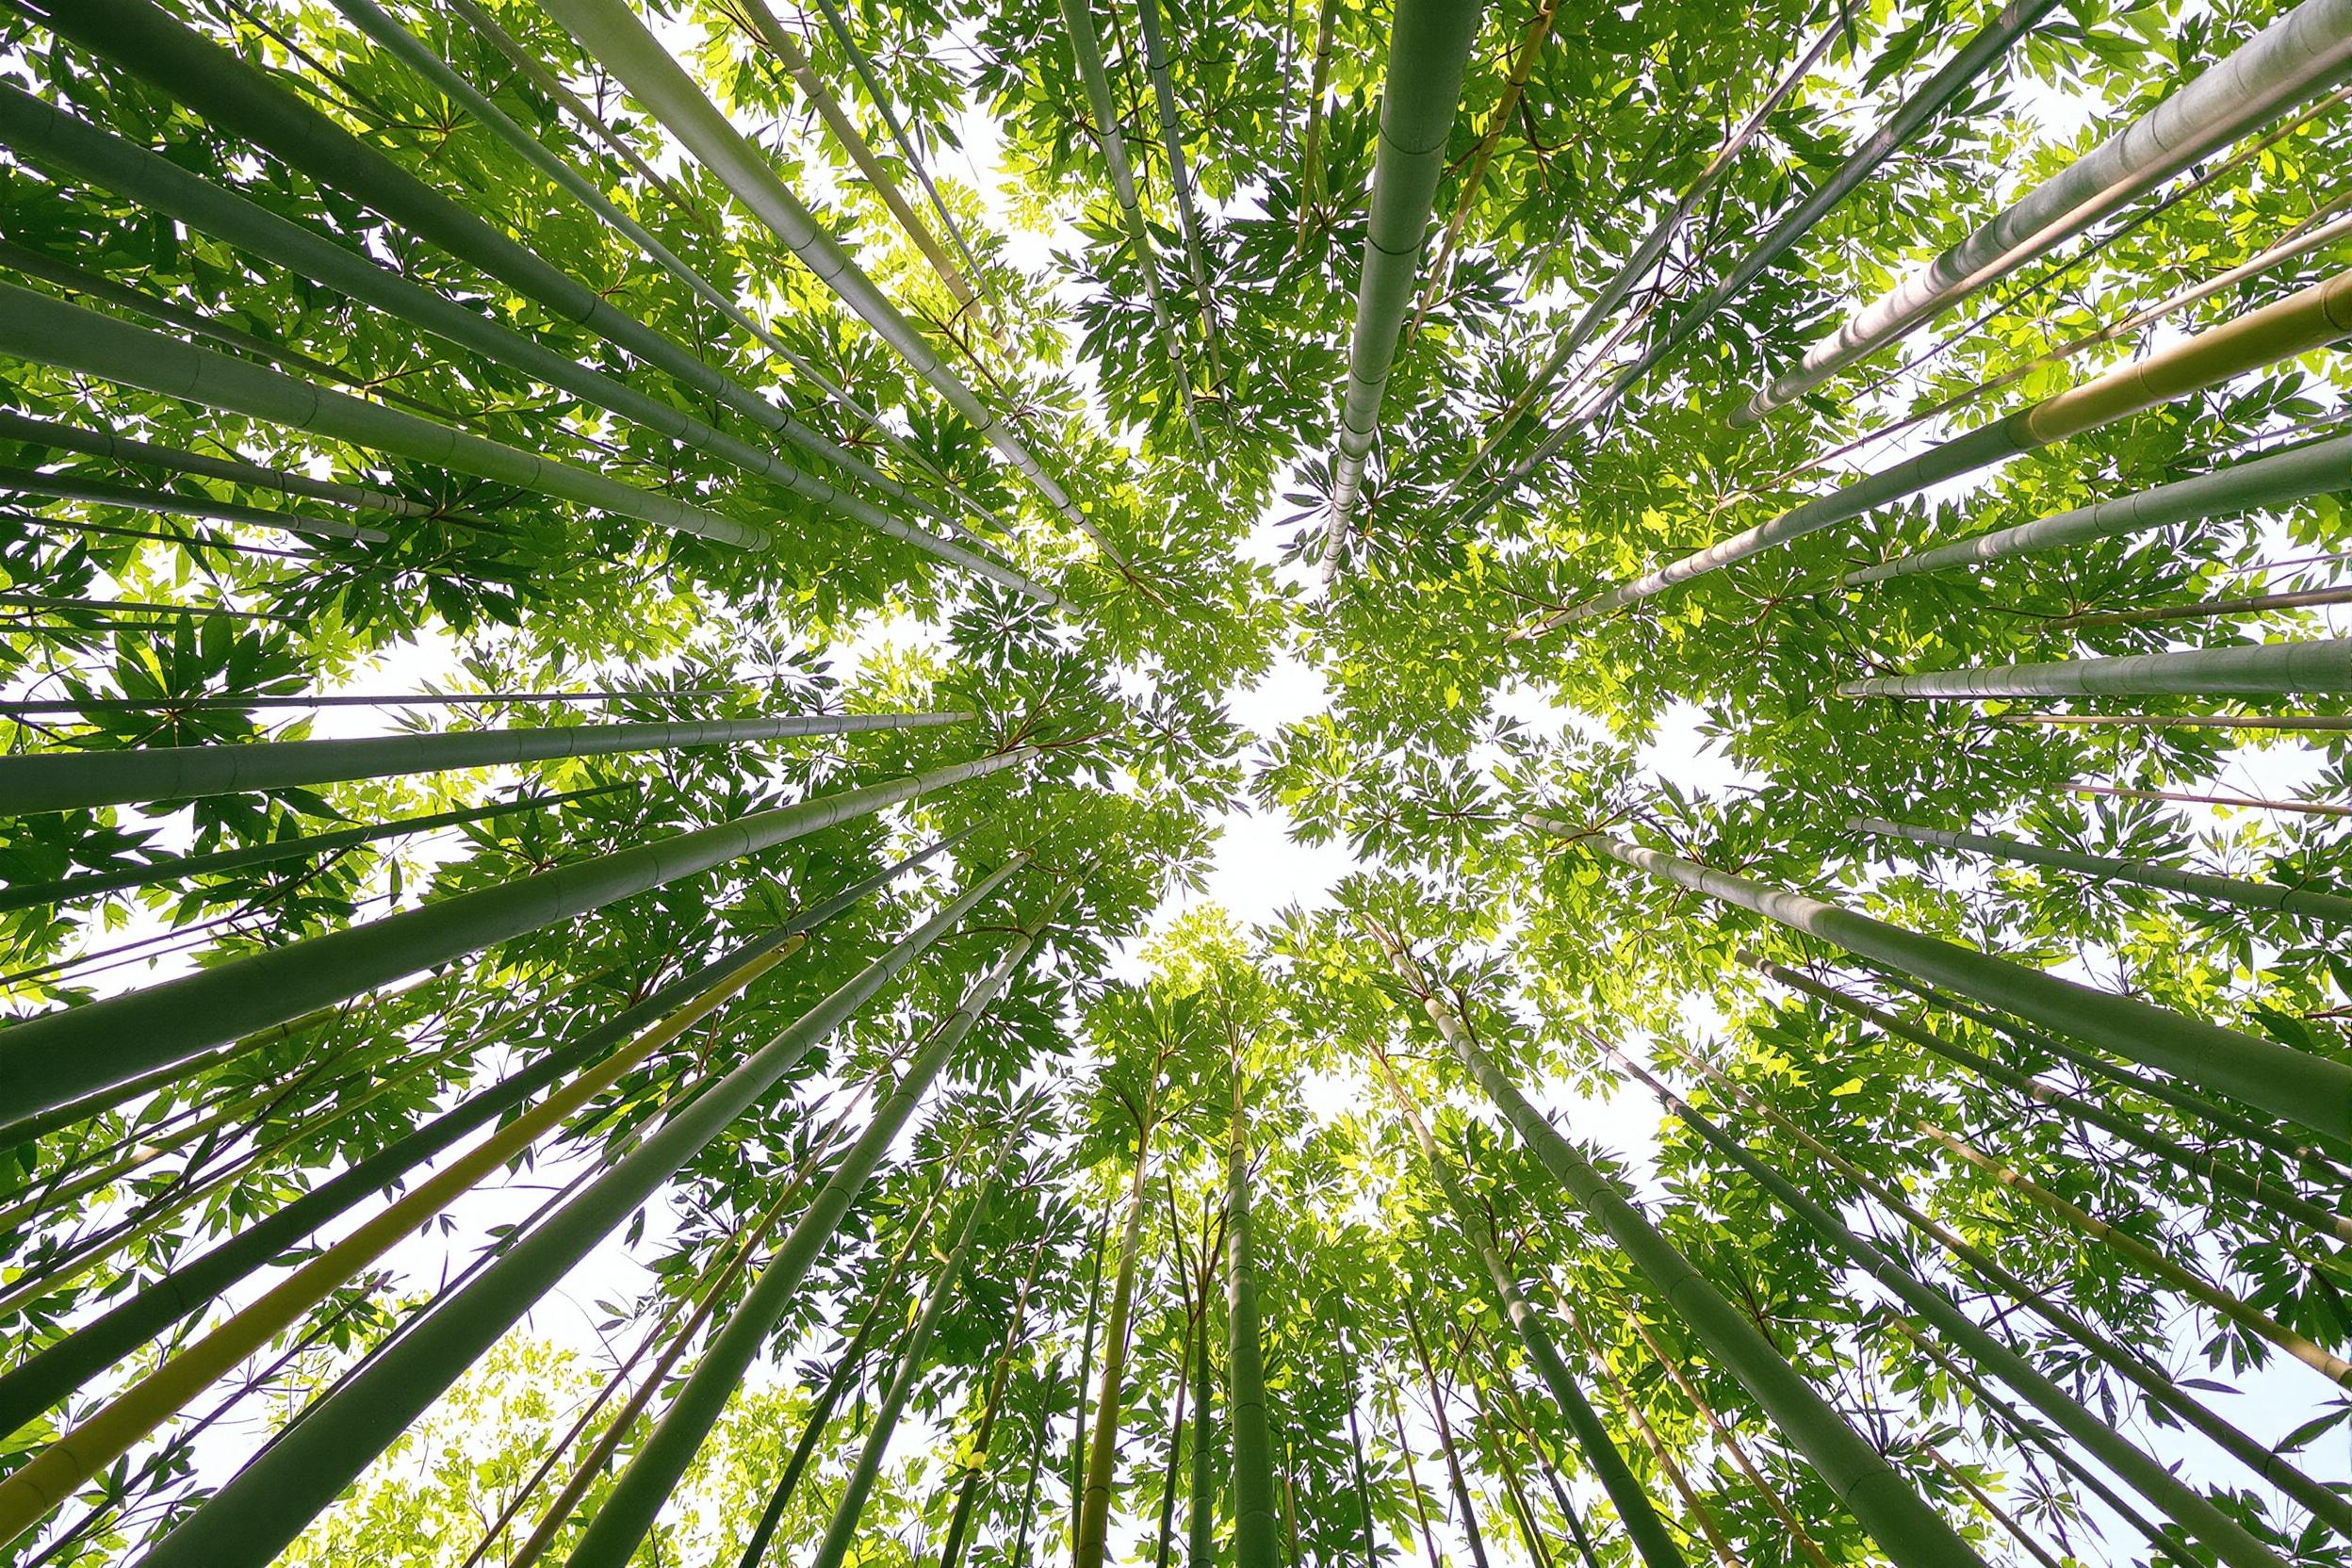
<point x="639" y="635"/>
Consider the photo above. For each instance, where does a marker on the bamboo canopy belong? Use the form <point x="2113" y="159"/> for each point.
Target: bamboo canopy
<point x="690" y="869"/>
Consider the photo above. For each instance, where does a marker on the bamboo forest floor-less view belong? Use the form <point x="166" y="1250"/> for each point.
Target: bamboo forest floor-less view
<point x="640" y="636"/>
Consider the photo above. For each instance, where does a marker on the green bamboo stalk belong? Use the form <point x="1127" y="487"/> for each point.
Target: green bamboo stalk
<point x="1652" y="1543"/>
<point x="1094" y="1504"/>
<point x="2307" y="234"/>
<point x="2301" y="54"/>
<point x="123" y="449"/>
<point x="58" y="1056"/>
<point x="1086" y="1365"/>
<point x="1517" y="1410"/>
<point x="1977" y="56"/>
<point x="69" y="780"/>
<point x="1165" y="1545"/>
<point x="1455" y="1479"/>
<point x="49" y="332"/>
<point x="59" y="140"/>
<point x="2321" y="1161"/>
<point x="1646" y="255"/>
<point x="1254" y="1526"/>
<point x="1984" y="1500"/>
<point x="794" y="60"/>
<point x="1483" y="154"/>
<point x="247" y="702"/>
<point x="98" y="287"/>
<point x="536" y="73"/>
<point x="1201" y="1498"/>
<point x="1078" y="17"/>
<point x="590" y="1465"/>
<point x="967" y="1493"/>
<point x="2201" y="610"/>
<point x="2264" y="669"/>
<point x="628" y="1513"/>
<point x="252" y="1518"/>
<point x="2251" y="803"/>
<point x="1318" y="89"/>
<point x="1038" y="1445"/>
<point x="715" y="1280"/>
<point x="2167" y="1551"/>
<point x="1728" y="1440"/>
<point x="1155" y="61"/>
<point x="230" y="92"/>
<point x="614" y="37"/>
<point x="882" y="1306"/>
<point x="2164" y="1490"/>
<point x="68" y="1463"/>
<point x="1906" y="1529"/>
<point x="1412" y="1479"/>
<point x="2262" y="484"/>
<point x="2227" y="1304"/>
<point x="841" y="1531"/>
<point x="2238" y="891"/>
<point x="2306" y="320"/>
<point x="880" y="98"/>
<point x="2294" y="1085"/>
<point x="172" y="503"/>
<point x="56" y="603"/>
<point x="2158" y="1386"/>
<point x="1710" y="1527"/>
<point x="1429" y="50"/>
<point x="2222" y="1173"/>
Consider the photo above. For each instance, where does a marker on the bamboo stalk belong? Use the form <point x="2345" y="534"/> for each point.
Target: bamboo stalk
<point x="615" y="37"/>
<point x="794" y="60"/>
<point x="2013" y="22"/>
<point x="1905" y="1528"/>
<point x="1729" y="1441"/>
<point x="842" y="1529"/>
<point x="1254" y="1525"/>
<point x="71" y="780"/>
<point x="2152" y="1479"/>
<point x="251" y="1518"/>
<point x="880" y="98"/>
<point x="628" y="1513"/>
<point x="2256" y="604"/>
<point x="227" y="90"/>
<point x="1428" y="50"/>
<point x="2224" y="1303"/>
<point x="2314" y="723"/>
<point x="882" y="1306"/>
<point x="2263" y="669"/>
<point x="1482" y="155"/>
<point x="171" y="503"/>
<point x="2262" y="484"/>
<point x="1155" y="61"/>
<point x="2221" y="1173"/>
<point x="1642" y="1524"/>
<point x="48" y="332"/>
<point x="62" y="141"/>
<point x="2294" y="1085"/>
<point x="62" y="1467"/>
<point x="2299" y="56"/>
<point x="2253" y="803"/>
<point x="1472" y="1536"/>
<point x="1710" y="1527"/>
<point x="1078" y="18"/>
<point x="49" y="1060"/>
<point x="2238" y="891"/>
<point x="1654" y="1545"/>
<point x="2306" y="320"/>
